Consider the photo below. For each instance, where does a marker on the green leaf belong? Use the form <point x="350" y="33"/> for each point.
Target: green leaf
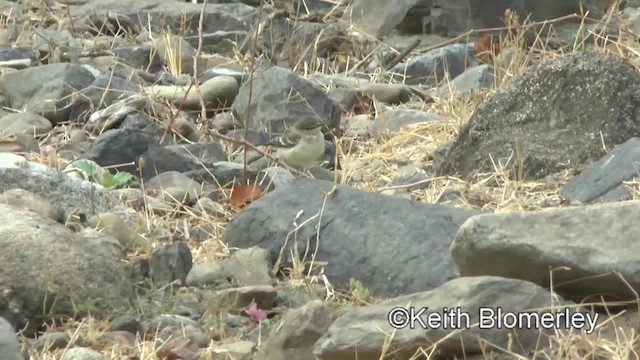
<point x="88" y="168"/>
<point x="108" y="180"/>
<point x="113" y="181"/>
<point x="122" y="178"/>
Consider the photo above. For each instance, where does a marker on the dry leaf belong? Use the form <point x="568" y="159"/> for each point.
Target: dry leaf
<point x="245" y="194"/>
<point x="487" y="47"/>
<point x="362" y="105"/>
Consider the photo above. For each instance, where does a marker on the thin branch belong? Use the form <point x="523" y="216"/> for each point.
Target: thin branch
<point x="251" y="73"/>
<point x="203" y="111"/>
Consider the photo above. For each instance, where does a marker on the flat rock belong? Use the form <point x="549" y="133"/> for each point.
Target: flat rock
<point x="554" y="115"/>
<point x="362" y="235"/>
<point x="605" y="176"/>
<point x="362" y="332"/>
<point x="394" y="119"/>
<point x="165" y="15"/>
<point x="592" y="248"/>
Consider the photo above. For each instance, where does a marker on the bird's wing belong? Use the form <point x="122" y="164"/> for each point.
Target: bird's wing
<point x="288" y="140"/>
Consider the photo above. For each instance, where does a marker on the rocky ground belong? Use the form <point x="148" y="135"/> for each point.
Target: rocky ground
<point x="142" y="215"/>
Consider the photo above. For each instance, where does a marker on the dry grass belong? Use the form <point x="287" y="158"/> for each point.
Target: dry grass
<point x="378" y="158"/>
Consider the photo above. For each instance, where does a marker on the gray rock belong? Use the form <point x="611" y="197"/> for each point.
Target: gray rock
<point x="207" y="207"/>
<point x="158" y="160"/>
<point x="453" y="17"/>
<point x="222" y="172"/>
<point x="592" y="248"/>
<point x="363" y="332"/>
<point x="475" y="78"/>
<point x="318" y="36"/>
<point x="337" y="80"/>
<point x="362" y="235"/>
<point x="19" y="143"/>
<point x="51" y="341"/>
<point x="45" y="261"/>
<point x="209" y="152"/>
<point x="121" y="146"/>
<point x="296" y="333"/>
<point x="387" y="93"/>
<point x="605" y="177"/>
<point x="433" y="66"/>
<point x="380" y="17"/>
<point x="11" y="53"/>
<point x="29" y="201"/>
<point x="278" y="86"/>
<point x="277" y="176"/>
<point x="358" y="126"/>
<point x="127" y="323"/>
<point x="57" y="188"/>
<point x="25" y="123"/>
<point x="104" y="91"/>
<point x="240" y="298"/>
<point x="160" y="322"/>
<point x="220" y="71"/>
<point x="238" y="350"/>
<point x="143" y="122"/>
<point x="171" y="262"/>
<point x="82" y="353"/>
<point x="46" y="37"/>
<point x="10" y="347"/>
<point x="174" y="187"/>
<point x="176" y="50"/>
<point x="165" y="16"/>
<point x="245" y="267"/>
<point x="394" y="119"/>
<point x="555" y="113"/>
<point x="125" y="146"/>
<point x="143" y="57"/>
<point x="117" y="338"/>
<point x="114" y="225"/>
<point x="45" y="89"/>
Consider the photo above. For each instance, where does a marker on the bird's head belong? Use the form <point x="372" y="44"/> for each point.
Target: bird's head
<point x="308" y="124"/>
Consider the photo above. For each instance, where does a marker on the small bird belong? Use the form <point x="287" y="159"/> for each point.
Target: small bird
<point x="302" y="145"/>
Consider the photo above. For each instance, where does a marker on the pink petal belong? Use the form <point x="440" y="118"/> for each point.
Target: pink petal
<point x="46" y="150"/>
<point x="255" y="313"/>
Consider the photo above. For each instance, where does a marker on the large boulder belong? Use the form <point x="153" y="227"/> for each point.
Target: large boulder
<point x="391" y="245"/>
<point x="583" y="252"/>
<point x="557" y="115"/>
<point x="49" y="270"/>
